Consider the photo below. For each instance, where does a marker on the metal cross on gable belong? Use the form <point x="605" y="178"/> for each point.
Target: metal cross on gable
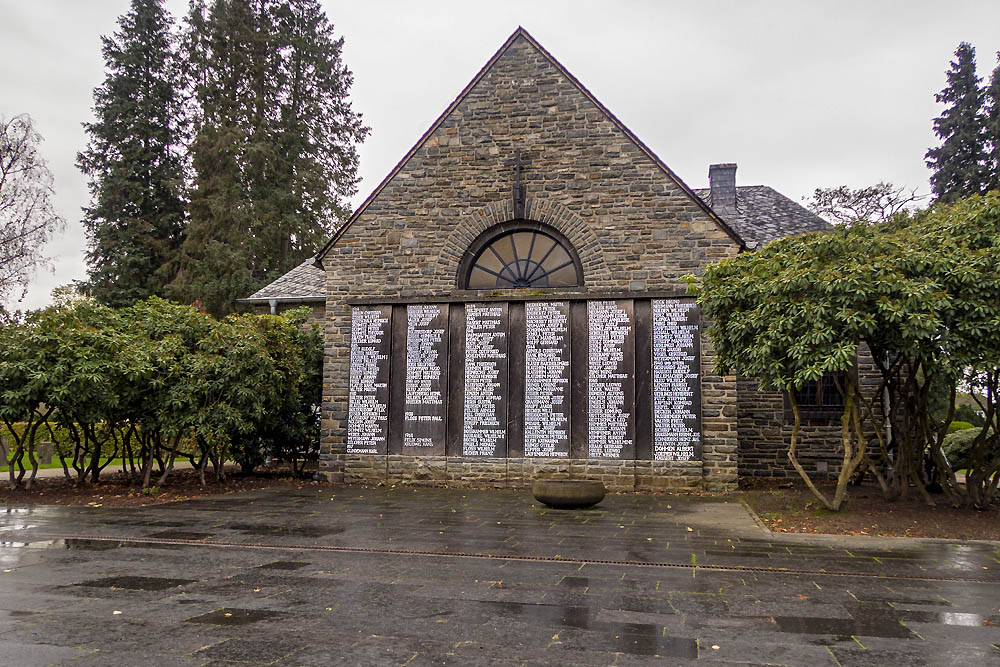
<point x="519" y="189"/>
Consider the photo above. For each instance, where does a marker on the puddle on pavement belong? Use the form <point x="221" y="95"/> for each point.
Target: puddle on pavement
<point x="282" y="531"/>
<point x="136" y="583"/>
<point x="884" y="626"/>
<point x="943" y="618"/>
<point x="575" y="582"/>
<point x="284" y="565"/>
<point x="633" y="638"/>
<point x="92" y="545"/>
<point x="72" y="543"/>
<point x="230" y="616"/>
<point x="181" y="535"/>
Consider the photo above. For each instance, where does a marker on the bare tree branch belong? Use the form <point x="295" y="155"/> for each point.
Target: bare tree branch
<point x="27" y="217"/>
<point x="875" y="203"/>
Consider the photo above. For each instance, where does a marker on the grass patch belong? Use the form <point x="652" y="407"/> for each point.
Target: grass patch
<point x="822" y="511"/>
<point x="57" y="463"/>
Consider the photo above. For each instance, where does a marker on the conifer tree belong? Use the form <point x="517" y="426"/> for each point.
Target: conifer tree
<point x="274" y="152"/>
<point x="959" y="163"/>
<point x="993" y="126"/>
<point x="135" y="161"/>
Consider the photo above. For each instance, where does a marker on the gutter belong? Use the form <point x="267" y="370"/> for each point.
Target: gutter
<point x="274" y="301"/>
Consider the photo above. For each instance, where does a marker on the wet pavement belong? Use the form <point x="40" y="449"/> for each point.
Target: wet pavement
<point x="355" y="576"/>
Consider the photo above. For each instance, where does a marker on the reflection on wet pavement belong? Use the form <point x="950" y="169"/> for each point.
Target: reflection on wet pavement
<point x="232" y="616"/>
<point x="136" y="583"/>
<point x="376" y="576"/>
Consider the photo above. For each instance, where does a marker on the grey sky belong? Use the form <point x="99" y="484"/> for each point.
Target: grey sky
<point x="800" y="94"/>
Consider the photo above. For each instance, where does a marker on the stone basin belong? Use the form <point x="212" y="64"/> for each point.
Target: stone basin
<point x="568" y="493"/>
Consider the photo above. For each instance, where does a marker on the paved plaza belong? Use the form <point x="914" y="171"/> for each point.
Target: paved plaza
<point x="355" y="576"/>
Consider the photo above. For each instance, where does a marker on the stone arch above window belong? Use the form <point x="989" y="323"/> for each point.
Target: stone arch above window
<point x="474" y="224"/>
<point x="518" y="254"/>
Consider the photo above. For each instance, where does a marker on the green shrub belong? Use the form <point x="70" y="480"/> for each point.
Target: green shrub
<point x="59" y="436"/>
<point x="957" y="447"/>
<point x="956" y="426"/>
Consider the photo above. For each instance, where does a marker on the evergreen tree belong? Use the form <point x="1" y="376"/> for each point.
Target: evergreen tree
<point x="959" y="163"/>
<point x="135" y="161"/>
<point x="274" y="153"/>
<point x="993" y="126"/>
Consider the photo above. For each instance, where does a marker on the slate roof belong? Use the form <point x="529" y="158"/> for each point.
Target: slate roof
<point x="763" y="214"/>
<point x="305" y="282"/>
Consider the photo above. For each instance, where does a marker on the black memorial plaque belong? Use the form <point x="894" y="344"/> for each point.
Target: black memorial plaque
<point x="546" y="379"/>
<point x="485" y="414"/>
<point x="676" y="381"/>
<point x="368" y="411"/>
<point x="611" y="388"/>
<point x="426" y="375"/>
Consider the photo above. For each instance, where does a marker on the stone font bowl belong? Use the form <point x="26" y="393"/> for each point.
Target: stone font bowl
<point x="568" y="493"/>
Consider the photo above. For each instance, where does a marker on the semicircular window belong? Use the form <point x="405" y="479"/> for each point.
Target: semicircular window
<point x="524" y="258"/>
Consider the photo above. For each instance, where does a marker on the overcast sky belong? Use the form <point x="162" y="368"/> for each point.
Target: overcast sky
<point x="800" y="94"/>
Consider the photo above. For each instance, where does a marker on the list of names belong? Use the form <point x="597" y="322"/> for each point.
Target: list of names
<point x="676" y="392"/>
<point x="485" y="414"/>
<point x="609" y="418"/>
<point x="423" y="417"/>
<point x="367" y="420"/>
<point x="546" y="379"/>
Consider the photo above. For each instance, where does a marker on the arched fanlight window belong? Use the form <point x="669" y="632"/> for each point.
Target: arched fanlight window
<point x="521" y="256"/>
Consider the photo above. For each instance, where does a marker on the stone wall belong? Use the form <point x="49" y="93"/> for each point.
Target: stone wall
<point x="519" y="473"/>
<point x="765" y="430"/>
<point x="635" y="228"/>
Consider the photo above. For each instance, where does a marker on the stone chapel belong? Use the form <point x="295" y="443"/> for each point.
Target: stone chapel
<point x="509" y="304"/>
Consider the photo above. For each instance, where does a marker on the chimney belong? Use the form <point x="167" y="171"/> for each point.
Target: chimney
<point x="722" y="180"/>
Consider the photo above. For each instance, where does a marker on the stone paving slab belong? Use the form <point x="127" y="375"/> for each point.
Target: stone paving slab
<point x="356" y="576"/>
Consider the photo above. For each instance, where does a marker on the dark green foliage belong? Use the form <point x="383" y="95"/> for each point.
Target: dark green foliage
<point x="921" y="291"/>
<point x="959" y="163"/>
<point x="274" y="153"/>
<point x="993" y="126"/>
<point x="957" y="447"/>
<point x="135" y="161"/>
<point x="149" y="382"/>
<point x="967" y="413"/>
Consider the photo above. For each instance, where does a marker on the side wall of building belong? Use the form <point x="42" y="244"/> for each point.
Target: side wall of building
<point x="765" y="430"/>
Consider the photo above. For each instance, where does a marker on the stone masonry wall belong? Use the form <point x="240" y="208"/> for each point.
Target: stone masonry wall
<point x="519" y="473"/>
<point x="765" y="430"/>
<point x="636" y="230"/>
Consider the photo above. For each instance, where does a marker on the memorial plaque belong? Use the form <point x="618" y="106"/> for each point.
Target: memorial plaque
<point x="485" y="414"/>
<point x="610" y="418"/>
<point x="546" y="379"/>
<point x="368" y="407"/>
<point x="426" y="375"/>
<point x="676" y="381"/>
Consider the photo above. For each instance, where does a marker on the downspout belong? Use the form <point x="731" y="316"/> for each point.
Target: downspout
<point x="274" y="306"/>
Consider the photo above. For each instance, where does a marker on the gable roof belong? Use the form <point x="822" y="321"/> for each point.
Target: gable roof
<point x="523" y="34"/>
<point x="763" y="214"/>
